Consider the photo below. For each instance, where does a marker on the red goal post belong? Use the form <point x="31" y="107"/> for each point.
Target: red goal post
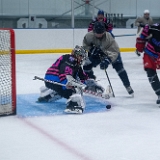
<point x="7" y="72"/>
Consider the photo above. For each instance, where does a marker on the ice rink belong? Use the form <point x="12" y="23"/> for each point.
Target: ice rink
<point x="130" y="130"/>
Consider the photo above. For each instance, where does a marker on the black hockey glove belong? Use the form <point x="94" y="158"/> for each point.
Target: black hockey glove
<point x="95" y="52"/>
<point x="104" y="63"/>
<point x="94" y="56"/>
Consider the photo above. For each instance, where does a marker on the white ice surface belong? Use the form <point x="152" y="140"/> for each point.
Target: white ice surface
<point x="129" y="131"/>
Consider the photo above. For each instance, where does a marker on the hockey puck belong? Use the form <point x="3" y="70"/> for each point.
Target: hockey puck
<point x="108" y="106"/>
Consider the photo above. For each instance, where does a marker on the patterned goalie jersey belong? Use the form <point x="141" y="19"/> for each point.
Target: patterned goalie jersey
<point x="65" y="65"/>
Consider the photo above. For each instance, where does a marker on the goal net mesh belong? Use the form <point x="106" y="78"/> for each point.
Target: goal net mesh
<point x="6" y="73"/>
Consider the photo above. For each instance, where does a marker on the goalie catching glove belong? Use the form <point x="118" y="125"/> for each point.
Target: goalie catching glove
<point x="90" y="86"/>
<point x="140" y="44"/>
<point x="93" y="86"/>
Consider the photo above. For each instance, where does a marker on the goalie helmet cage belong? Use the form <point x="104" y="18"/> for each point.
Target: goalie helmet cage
<point x="7" y="72"/>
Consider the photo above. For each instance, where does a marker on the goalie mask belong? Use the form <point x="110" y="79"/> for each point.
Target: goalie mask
<point x="79" y="53"/>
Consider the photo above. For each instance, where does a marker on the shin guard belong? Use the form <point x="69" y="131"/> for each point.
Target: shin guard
<point x="153" y="80"/>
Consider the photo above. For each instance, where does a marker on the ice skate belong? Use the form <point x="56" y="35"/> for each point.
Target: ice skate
<point x="130" y="91"/>
<point x="72" y="107"/>
<point x="158" y="100"/>
<point x="75" y="104"/>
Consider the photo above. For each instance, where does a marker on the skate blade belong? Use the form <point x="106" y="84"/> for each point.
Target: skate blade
<point x="132" y="95"/>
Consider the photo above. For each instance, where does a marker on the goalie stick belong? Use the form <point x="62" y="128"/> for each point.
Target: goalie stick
<point x="73" y="82"/>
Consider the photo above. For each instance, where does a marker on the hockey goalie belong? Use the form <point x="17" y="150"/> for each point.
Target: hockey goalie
<point x="70" y="82"/>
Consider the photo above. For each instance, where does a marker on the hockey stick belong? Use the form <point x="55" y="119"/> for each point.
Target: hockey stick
<point x="109" y="81"/>
<point x="70" y="82"/>
<point x="45" y="80"/>
<point x="124" y="35"/>
<point x="107" y="77"/>
<point x="75" y="83"/>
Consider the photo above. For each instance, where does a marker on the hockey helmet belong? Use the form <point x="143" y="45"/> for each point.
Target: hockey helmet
<point x="99" y="27"/>
<point x="79" y="51"/>
<point x="100" y="12"/>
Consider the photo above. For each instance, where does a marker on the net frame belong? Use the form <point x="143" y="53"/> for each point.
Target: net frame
<point x="7" y="50"/>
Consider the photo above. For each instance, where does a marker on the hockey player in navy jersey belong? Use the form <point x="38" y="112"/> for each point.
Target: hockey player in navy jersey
<point x="69" y="64"/>
<point x="149" y="43"/>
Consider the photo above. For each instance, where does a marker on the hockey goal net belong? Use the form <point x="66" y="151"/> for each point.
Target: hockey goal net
<point x="7" y="73"/>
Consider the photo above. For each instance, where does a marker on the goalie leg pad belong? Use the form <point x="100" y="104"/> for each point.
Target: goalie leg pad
<point x="75" y="104"/>
<point x="48" y="95"/>
<point x="153" y="80"/>
<point x="44" y="91"/>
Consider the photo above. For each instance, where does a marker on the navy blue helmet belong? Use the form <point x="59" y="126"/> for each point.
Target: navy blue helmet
<point x="99" y="27"/>
<point x="100" y="12"/>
